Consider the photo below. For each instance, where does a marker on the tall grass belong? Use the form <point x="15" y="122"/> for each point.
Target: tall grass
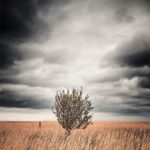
<point x="99" y="136"/>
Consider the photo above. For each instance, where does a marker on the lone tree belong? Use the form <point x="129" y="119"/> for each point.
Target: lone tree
<point x="72" y="110"/>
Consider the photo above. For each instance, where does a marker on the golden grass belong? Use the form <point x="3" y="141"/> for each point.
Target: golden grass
<point x="99" y="136"/>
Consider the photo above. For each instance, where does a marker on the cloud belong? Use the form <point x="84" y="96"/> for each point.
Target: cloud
<point x="19" y="22"/>
<point x="135" y="52"/>
<point x="8" y="56"/>
<point x="23" y="22"/>
<point x="100" y="45"/>
<point x="121" y="15"/>
<point x="22" y="96"/>
<point x="145" y="82"/>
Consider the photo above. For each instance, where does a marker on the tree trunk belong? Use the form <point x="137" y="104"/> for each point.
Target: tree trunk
<point x="68" y="132"/>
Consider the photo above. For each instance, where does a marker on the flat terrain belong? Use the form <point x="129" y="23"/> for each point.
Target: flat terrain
<point x="99" y="136"/>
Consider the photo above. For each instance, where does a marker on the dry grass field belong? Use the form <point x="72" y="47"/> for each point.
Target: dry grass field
<point x="99" y="136"/>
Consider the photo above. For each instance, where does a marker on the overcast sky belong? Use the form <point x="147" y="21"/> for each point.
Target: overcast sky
<point x="101" y="45"/>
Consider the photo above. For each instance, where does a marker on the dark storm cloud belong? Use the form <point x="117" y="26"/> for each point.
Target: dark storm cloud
<point x="135" y="53"/>
<point x="130" y="103"/>
<point x="13" y="98"/>
<point x="121" y="15"/>
<point x="20" y="23"/>
<point x="131" y="3"/>
<point x="128" y="98"/>
<point x="146" y="4"/>
<point x="23" y="103"/>
<point x="138" y="105"/>
<point x="137" y="101"/>
<point x="120" y="72"/>
<point x="19" y="18"/>
<point x="122" y="109"/>
<point x="9" y="53"/>
<point x="136" y="59"/>
<point x="145" y="82"/>
<point x="138" y="72"/>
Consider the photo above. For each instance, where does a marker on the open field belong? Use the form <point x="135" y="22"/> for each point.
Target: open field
<point x="99" y="136"/>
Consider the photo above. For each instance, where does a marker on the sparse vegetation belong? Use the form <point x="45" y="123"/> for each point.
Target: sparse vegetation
<point x="99" y="136"/>
<point x="73" y="110"/>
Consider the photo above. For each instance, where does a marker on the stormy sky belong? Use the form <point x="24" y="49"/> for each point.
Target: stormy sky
<point x="101" y="45"/>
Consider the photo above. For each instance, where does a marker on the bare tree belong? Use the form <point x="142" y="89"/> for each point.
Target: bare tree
<point x="72" y="110"/>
